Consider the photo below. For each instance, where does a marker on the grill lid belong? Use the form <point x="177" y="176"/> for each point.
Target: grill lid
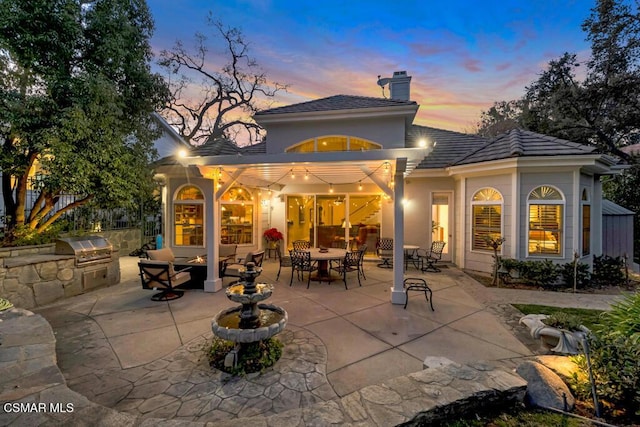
<point x="82" y="245"/>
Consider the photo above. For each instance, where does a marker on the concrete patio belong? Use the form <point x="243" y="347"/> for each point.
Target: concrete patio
<point x="121" y="350"/>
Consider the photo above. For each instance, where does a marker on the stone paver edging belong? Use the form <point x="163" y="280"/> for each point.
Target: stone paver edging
<point x="29" y="375"/>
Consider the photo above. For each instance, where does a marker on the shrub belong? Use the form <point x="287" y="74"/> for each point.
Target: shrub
<point x="511" y="264"/>
<point x="26" y="236"/>
<point x="562" y="320"/>
<point x="540" y="273"/>
<point x="607" y="271"/>
<point x="252" y="357"/>
<point x="583" y="274"/>
<point x="615" y="351"/>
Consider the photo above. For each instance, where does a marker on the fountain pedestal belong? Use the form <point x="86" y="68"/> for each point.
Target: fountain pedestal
<point x="251" y="321"/>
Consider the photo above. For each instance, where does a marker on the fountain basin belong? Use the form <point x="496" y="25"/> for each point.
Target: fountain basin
<point x="554" y="339"/>
<point x="271" y="321"/>
<point x="236" y="293"/>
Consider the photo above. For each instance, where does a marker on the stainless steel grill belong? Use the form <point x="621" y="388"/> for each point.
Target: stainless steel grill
<point x="87" y="250"/>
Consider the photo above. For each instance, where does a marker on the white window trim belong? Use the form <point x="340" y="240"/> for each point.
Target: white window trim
<point x="486" y="202"/>
<point x="315" y="142"/>
<point x="563" y="203"/>
<point x="175" y="202"/>
<point x="585" y="202"/>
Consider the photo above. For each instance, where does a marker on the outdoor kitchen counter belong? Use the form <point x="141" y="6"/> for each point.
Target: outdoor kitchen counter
<point x="33" y="259"/>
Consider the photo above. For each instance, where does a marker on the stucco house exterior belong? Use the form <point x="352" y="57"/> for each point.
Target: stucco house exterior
<point x="353" y="169"/>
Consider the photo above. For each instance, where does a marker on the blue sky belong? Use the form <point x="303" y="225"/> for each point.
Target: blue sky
<point x="462" y="55"/>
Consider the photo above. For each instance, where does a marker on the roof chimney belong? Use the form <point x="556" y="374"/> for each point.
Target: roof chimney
<point x="400" y="86"/>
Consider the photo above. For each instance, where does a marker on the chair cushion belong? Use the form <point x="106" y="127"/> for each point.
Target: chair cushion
<point x="164" y="254"/>
<point x="233" y="270"/>
<point x="225" y="251"/>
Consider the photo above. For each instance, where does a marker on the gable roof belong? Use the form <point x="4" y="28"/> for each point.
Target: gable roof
<point x="522" y="143"/>
<point x="336" y="103"/>
<point x="448" y="148"/>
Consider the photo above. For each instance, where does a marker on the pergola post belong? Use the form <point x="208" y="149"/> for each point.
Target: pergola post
<point x="397" y="291"/>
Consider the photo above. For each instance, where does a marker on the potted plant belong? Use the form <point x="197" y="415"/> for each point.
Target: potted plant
<point x="272" y="236"/>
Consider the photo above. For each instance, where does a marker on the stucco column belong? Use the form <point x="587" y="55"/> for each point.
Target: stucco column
<point x="212" y="237"/>
<point x="397" y="291"/>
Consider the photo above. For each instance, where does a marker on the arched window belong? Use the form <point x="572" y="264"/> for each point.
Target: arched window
<point x="188" y="208"/>
<point x="237" y="208"/>
<point x="586" y="223"/>
<point x="333" y="143"/>
<point x="486" y="212"/>
<point x="546" y="221"/>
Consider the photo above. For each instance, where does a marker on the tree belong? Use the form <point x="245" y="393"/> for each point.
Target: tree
<point x="228" y="97"/>
<point x="76" y="93"/>
<point x="603" y="109"/>
<point x="501" y="117"/>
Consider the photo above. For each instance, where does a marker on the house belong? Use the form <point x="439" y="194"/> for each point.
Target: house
<point x="353" y="168"/>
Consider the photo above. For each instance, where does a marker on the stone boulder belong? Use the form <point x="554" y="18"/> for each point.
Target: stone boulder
<point x="545" y="388"/>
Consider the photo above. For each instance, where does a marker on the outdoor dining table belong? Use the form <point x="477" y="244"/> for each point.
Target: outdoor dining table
<point x="410" y="254"/>
<point x="323" y="258"/>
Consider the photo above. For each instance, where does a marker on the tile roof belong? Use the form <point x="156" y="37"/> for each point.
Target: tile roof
<point x="450" y="145"/>
<point x="521" y="143"/>
<point x="221" y="147"/>
<point x="336" y="102"/>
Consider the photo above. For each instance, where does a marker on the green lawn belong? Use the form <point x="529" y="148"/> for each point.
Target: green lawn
<point x="589" y="318"/>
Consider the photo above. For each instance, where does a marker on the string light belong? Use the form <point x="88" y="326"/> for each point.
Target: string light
<point x="386" y="165"/>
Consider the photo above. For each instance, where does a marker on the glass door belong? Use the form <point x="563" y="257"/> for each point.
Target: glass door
<point x="330" y="218"/>
<point x="440" y="221"/>
<point x="300" y="219"/>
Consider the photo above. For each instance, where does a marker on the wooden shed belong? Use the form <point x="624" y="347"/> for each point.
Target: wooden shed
<point x="617" y="230"/>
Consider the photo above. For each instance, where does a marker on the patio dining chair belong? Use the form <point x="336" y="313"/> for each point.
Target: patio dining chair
<point x="362" y="250"/>
<point x="301" y="263"/>
<point x="429" y="259"/>
<point x="285" y="260"/>
<point x="350" y="263"/>
<point x="384" y="249"/>
<point x="301" y="245"/>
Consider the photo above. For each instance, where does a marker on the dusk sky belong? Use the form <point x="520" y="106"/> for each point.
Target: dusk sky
<point x="462" y="55"/>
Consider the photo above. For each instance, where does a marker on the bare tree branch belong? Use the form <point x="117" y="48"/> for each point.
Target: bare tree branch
<point x="228" y="95"/>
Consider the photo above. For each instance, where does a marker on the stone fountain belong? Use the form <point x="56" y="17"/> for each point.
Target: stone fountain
<point x="250" y="322"/>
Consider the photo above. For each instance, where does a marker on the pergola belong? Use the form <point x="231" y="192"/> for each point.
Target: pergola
<point x="332" y="169"/>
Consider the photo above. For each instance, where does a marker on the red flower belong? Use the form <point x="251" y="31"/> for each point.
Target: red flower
<point x="273" y="235"/>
